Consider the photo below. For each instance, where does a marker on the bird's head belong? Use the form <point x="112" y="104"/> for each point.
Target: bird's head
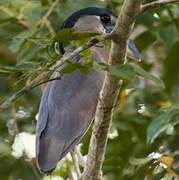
<point x="94" y="19"/>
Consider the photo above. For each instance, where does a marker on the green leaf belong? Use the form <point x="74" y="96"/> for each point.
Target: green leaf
<point x="144" y="40"/>
<point x="162" y="123"/>
<point x="129" y="71"/>
<point x="70" y="68"/>
<point x="67" y="35"/>
<point x="100" y="67"/>
<point x="123" y="71"/>
<point x="147" y="75"/>
<point x="169" y="34"/>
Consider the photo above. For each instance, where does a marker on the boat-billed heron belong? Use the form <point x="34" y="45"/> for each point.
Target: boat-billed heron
<point x="68" y="104"/>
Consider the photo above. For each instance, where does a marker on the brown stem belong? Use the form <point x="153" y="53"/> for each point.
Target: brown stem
<point x="50" y="10"/>
<point x="155" y="4"/>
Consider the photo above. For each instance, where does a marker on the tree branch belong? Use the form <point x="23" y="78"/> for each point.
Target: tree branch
<point x="9" y="13"/>
<point x="44" y="75"/>
<point x="156" y="4"/>
<point x="110" y="90"/>
<point x="48" y="13"/>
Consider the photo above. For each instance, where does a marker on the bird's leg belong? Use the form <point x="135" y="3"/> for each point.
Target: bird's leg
<point x="75" y="161"/>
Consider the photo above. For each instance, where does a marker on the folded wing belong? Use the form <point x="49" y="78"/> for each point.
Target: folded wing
<point x="66" y="111"/>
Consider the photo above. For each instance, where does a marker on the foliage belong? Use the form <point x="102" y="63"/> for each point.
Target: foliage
<point x="145" y="129"/>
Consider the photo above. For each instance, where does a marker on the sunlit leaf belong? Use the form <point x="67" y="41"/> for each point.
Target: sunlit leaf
<point x="167" y="160"/>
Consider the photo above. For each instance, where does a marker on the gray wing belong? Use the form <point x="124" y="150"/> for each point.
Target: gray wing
<point x="66" y="111"/>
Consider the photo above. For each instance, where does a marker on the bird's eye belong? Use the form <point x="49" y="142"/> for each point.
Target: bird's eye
<point x="105" y="18"/>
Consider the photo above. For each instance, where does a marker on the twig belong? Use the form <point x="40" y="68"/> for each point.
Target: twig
<point x="156" y="4"/>
<point x="46" y="81"/>
<point x="34" y="169"/>
<point x="13" y="112"/>
<point x="46" y="74"/>
<point x="50" y="10"/>
<point x="9" y="13"/>
<point x="110" y="90"/>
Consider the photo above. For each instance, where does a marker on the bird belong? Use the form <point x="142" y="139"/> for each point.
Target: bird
<point x="68" y="104"/>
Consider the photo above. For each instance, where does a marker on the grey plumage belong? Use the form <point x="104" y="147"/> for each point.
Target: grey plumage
<point x="66" y="111"/>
